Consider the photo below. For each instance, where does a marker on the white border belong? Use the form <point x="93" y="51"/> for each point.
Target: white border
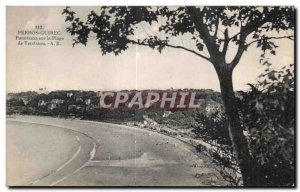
<point x="5" y="3"/>
<point x="149" y="2"/>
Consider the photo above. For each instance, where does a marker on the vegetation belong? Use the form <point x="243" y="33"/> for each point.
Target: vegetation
<point x="267" y="114"/>
<point x="177" y="119"/>
<point x="85" y="105"/>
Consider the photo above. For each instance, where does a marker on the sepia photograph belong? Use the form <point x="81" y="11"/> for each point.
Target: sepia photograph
<point x="150" y="96"/>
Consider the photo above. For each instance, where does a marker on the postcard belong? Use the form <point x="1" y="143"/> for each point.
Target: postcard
<point x="150" y="96"/>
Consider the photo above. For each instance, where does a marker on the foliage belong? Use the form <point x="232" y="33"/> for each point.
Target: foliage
<point x="213" y="129"/>
<point x="268" y="113"/>
<point x="116" y="27"/>
<point x="14" y="102"/>
<point x="177" y="119"/>
<point x="75" y="105"/>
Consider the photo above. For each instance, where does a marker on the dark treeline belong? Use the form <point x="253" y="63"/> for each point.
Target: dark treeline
<point x="85" y="104"/>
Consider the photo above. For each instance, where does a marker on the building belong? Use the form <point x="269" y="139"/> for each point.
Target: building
<point x="87" y="101"/>
<point x="167" y="113"/>
<point x="57" y="101"/>
<point x="25" y="100"/>
<point x="54" y="103"/>
<point x="43" y="91"/>
<point x="42" y="103"/>
<point x="213" y="107"/>
<point x="52" y="106"/>
<point x="69" y="95"/>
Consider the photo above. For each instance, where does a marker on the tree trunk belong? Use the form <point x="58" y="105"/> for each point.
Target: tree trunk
<point x="239" y="141"/>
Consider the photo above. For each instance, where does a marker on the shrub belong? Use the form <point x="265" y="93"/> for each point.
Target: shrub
<point x="213" y="129"/>
<point x="267" y="113"/>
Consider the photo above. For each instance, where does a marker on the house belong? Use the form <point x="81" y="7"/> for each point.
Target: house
<point x="43" y="91"/>
<point x="75" y="108"/>
<point x="54" y="103"/>
<point x="88" y="101"/>
<point x="25" y="100"/>
<point x="167" y="113"/>
<point x="99" y="93"/>
<point x="69" y="95"/>
<point x="42" y="103"/>
<point x="78" y="99"/>
<point x="9" y="96"/>
<point x="52" y="106"/>
<point x="57" y="101"/>
<point x="213" y="107"/>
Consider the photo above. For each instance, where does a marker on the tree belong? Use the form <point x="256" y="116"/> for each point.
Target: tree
<point x="268" y="112"/>
<point x="212" y="29"/>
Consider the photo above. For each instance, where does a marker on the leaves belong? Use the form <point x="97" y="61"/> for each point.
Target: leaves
<point x="267" y="111"/>
<point x="115" y="27"/>
<point x="200" y="46"/>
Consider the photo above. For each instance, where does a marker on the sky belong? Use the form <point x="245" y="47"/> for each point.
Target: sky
<point x="85" y="68"/>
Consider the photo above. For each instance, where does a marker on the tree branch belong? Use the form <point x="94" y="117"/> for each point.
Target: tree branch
<point x="197" y="18"/>
<point x="236" y="59"/>
<point x="226" y="42"/>
<point x="242" y="47"/>
<point x="217" y="27"/>
<point x="172" y="46"/>
<point x="282" y="37"/>
<point x="244" y="32"/>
